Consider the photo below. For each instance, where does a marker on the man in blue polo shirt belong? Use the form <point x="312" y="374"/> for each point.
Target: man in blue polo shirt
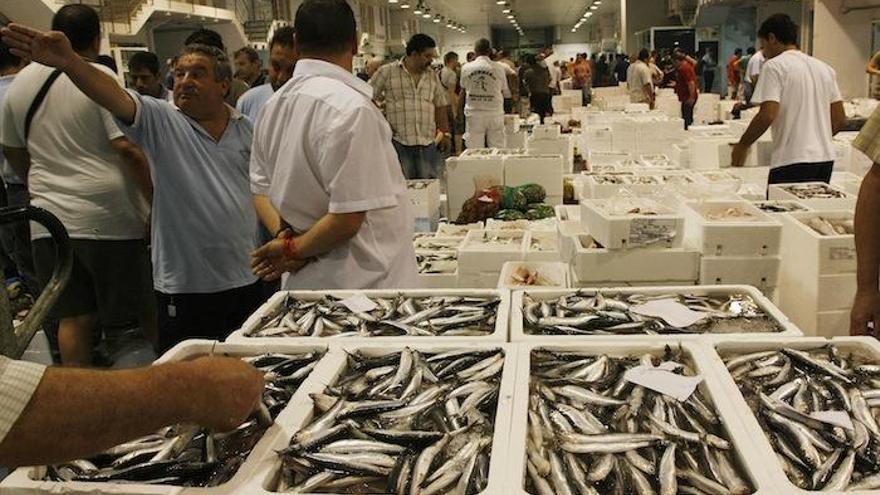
<point x="203" y="217"/>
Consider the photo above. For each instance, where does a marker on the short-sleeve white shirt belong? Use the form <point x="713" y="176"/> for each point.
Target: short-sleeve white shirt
<point x="75" y="173"/>
<point x="322" y="146"/>
<point x="485" y="82"/>
<point x="805" y="88"/>
<point x="755" y="64"/>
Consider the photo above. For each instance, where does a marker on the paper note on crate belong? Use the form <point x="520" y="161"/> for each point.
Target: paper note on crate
<point x="671" y="311"/>
<point x="661" y="379"/>
<point x="836" y="418"/>
<point x="359" y="303"/>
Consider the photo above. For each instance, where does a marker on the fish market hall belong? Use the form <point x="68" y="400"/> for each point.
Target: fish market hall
<point x="425" y="247"/>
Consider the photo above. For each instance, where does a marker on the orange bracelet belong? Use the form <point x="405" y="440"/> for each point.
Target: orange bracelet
<point x="290" y="249"/>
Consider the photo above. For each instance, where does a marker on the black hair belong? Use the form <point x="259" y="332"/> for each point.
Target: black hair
<point x="80" y="23"/>
<point x="751" y="50"/>
<point x="530" y="59"/>
<point x="205" y="37"/>
<point x="7" y="59"/>
<point x="450" y="56"/>
<point x="252" y="54"/>
<point x="144" y="60"/>
<point x="482" y="47"/>
<point x="283" y="36"/>
<point x="782" y="27"/>
<point x="738" y="51"/>
<point x="644" y="55"/>
<point x="325" y="26"/>
<point x="109" y="62"/>
<point x="419" y="43"/>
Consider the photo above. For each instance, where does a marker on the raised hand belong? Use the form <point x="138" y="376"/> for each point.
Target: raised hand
<point x="50" y="48"/>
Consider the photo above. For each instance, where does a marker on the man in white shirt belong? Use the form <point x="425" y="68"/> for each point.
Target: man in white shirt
<point x="555" y="77"/>
<point x="799" y="97"/>
<point x="640" y="80"/>
<point x="322" y="154"/>
<point x="753" y="70"/>
<point x="449" y="80"/>
<point x="79" y="165"/>
<point x="484" y="84"/>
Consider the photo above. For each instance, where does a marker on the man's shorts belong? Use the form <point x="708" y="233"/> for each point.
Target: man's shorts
<point x="109" y="278"/>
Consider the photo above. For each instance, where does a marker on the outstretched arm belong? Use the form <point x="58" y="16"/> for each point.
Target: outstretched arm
<point x="52" y="48"/>
<point x="77" y="412"/>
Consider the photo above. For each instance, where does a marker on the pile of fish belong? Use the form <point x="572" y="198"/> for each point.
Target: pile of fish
<point x="625" y="206"/>
<point x="405" y="423"/>
<point x="813" y="191"/>
<point x="590" y="432"/>
<point x="453" y="230"/>
<point x="832" y="226"/>
<point x="400" y="315"/>
<point x="594" y="313"/>
<point x="731" y="214"/>
<point x="543" y="243"/>
<point x="779" y="206"/>
<point x="437" y="262"/>
<point x="185" y="455"/>
<point x="610" y="179"/>
<point x="418" y="184"/>
<point x="792" y="390"/>
<point x="494" y="240"/>
<point x="718" y="177"/>
<point x="438" y="243"/>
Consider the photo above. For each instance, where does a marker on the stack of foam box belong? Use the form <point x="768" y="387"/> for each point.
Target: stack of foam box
<point x="667" y="103"/>
<point x="655" y="134"/>
<point x="479" y="263"/>
<point x="514" y="137"/>
<point x="424" y="195"/>
<point x="563" y="145"/>
<point x="818" y="276"/>
<point x="743" y="252"/>
<point x="616" y="261"/>
<point x="473" y="170"/>
<point x="706" y="110"/>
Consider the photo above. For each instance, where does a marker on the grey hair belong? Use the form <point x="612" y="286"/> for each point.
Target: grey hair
<point x="222" y="67"/>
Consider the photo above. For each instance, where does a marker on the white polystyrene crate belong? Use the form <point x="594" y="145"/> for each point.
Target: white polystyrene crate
<point x="543" y="246"/>
<point x="562" y="145"/>
<point x="555" y="274"/>
<point x="477" y="257"/>
<point x="759" y="235"/>
<point x="23" y="481"/>
<point x="568" y="215"/>
<point x="681" y="154"/>
<point x="597" y="158"/>
<point x="714" y="393"/>
<point x="337" y="363"/>
<point x="544" y="170"/>
<point x="599" y="187"/>
<point x="812" y="254"/>
<point x="467" y="175"/>
<point x="783" y="191"/>
<point x="850" y="187"/>
<point x="424" y="195"/>
<point x="517" y="331"/>
<point x="457" y="230"/>
<point x="242" y="336"/>
<point x="622" y="231"/>
<point x="597" y="138"/>
<point x="795" y="206"/>
<point x="438" y="243"/>
<point x="549" y="131"/>
<point x="515" y="139"/>
<point x="710" y="152"/>
<point x="759" y="271"/>
<point x="594" y="265"/>
<point x="736" y="403"/>
<point x="438" y="280"/>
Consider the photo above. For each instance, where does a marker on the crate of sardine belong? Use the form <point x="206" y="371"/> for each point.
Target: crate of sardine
<point x="820" y="243"/>
<point x="703" y="312"/>
<point x="624" y="417"/>
<point x="817" y="402"/>
<point x="818" y="196"/>
<point x="437" y="269"/>
<point x="461" y="315"/>
<point x="186" y="457"/>
<point x="393" y="419"/>
<point x="628" y="222"/>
